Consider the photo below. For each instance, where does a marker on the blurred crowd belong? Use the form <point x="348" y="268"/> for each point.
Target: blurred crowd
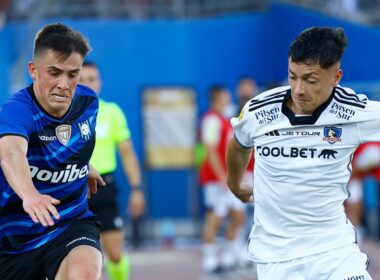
<point x="356" y="10"/>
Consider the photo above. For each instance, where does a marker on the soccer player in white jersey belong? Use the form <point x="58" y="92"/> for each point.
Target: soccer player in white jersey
<point x="304" y="136"/>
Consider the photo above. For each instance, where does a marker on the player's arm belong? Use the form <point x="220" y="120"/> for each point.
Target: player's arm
<point x="14" y="163"/>
<point x="130" y="163"/>
<point x="94" y="179"/>
<point x="237" y="159"/>
<point x="133" y="171"/>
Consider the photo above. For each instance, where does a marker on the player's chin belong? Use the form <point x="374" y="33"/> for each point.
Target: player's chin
<point x="61" y="106"/>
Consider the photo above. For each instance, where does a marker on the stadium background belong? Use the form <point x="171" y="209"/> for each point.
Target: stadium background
<point x="170" y="44"/>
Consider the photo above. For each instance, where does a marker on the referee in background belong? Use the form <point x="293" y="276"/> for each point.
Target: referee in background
<point x="112" y="134"/>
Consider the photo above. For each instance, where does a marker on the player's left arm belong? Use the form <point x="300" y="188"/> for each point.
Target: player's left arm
<point x="237" y="159"/>
<point x="94" y="179"/>
<point x="133" y="171"/>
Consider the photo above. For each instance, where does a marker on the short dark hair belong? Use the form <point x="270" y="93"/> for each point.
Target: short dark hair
<point x="318" y="45"/>
<point x="214" y="91"/>
<point x="62" y="39"/>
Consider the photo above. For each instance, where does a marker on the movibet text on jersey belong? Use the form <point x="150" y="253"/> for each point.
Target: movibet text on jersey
<point x="69" y="174"/>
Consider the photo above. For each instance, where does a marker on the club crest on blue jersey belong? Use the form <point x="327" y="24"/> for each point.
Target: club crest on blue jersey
<point x="332" y="134"/>
<point x="63" y="133"/>
<point x="84" y="128"/>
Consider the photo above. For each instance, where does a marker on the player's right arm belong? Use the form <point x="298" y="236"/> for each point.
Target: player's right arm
<point x="237" y="159"/>
<point x="14" y="163"/>
<point x="239" y="151"/>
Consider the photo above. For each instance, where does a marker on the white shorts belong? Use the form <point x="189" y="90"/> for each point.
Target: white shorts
<point x="339" y="264"/>
<point x="221" y="200"/>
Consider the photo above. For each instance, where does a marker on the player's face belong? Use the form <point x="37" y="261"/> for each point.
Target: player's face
<point x="90" y="76"/>
<point x="311" y="85"/>
<point x="55" y="80"/>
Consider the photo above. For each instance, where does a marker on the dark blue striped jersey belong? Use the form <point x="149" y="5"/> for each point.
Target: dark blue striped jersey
<point x="59" y="150"/>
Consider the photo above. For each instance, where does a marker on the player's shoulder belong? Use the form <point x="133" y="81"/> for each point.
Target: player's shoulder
<point x="269" y="97"/>
<point x="83" y="90"/>
<point x="110" y="107"/>
<point x="20" y="101"/>
<point x="348" y="97"/>
<point x="212" y="116"/>
<point x="278" y="91"/>
<point x="85" y="97"/>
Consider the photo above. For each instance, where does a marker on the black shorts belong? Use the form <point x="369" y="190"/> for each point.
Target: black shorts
<point x="44" y="261"/>
<point x="104" y="205"/>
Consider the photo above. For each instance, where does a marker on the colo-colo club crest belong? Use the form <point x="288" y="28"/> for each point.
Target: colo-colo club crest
<point x="63" y="133"/>
<point x="332" y="134"/>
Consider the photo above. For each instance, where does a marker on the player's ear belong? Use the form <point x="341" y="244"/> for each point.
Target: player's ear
<point x="32" y="70"/>
<point x="337" y="77"/>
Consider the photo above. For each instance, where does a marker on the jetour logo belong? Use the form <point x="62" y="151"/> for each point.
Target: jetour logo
<point x="69" y="174"/>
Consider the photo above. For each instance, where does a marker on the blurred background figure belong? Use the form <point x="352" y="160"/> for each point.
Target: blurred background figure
<point x="362" y="204"/>
<point x="219" y="200"/>
<point x="112" y="135"/>
<point x="3" y="11"/>
<point x="246" y="89"/>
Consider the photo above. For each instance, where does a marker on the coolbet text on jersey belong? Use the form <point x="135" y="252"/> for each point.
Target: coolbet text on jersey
<point x="302" y="166"/>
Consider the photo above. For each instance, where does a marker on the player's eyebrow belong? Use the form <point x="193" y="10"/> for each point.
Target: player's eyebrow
<point x="75" y="71"/>
<point x="52" y="67"/>
<point x="305" y="75"/>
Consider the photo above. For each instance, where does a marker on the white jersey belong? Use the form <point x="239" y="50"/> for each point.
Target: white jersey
<point x="302" y="166"/>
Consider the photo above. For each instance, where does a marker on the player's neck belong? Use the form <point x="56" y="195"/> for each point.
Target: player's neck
<point x="296" y="110"/>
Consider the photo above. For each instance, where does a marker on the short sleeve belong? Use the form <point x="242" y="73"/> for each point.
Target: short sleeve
<point x="242" y="128"/>
<point x="369" y="125"/>
<point x="15" y="119"/>
<point x="120" y="131"/>
<point x="211" y="130"/>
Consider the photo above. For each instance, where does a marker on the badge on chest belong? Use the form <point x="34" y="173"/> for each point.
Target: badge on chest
<point x="63" y="133"/>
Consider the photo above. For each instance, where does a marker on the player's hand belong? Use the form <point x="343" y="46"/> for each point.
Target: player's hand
<point x="136" y="206"/>
<point x="244" y="192"/>
<point x="94" y="179"/>
<point x="41" y="208"/>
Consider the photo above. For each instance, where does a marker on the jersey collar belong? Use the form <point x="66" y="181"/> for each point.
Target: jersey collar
<point x="33" y="95"/>
<point x="303" y="120"/>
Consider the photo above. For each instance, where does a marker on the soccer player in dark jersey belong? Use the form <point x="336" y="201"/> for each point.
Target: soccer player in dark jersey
<point x="47" y="135"/>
